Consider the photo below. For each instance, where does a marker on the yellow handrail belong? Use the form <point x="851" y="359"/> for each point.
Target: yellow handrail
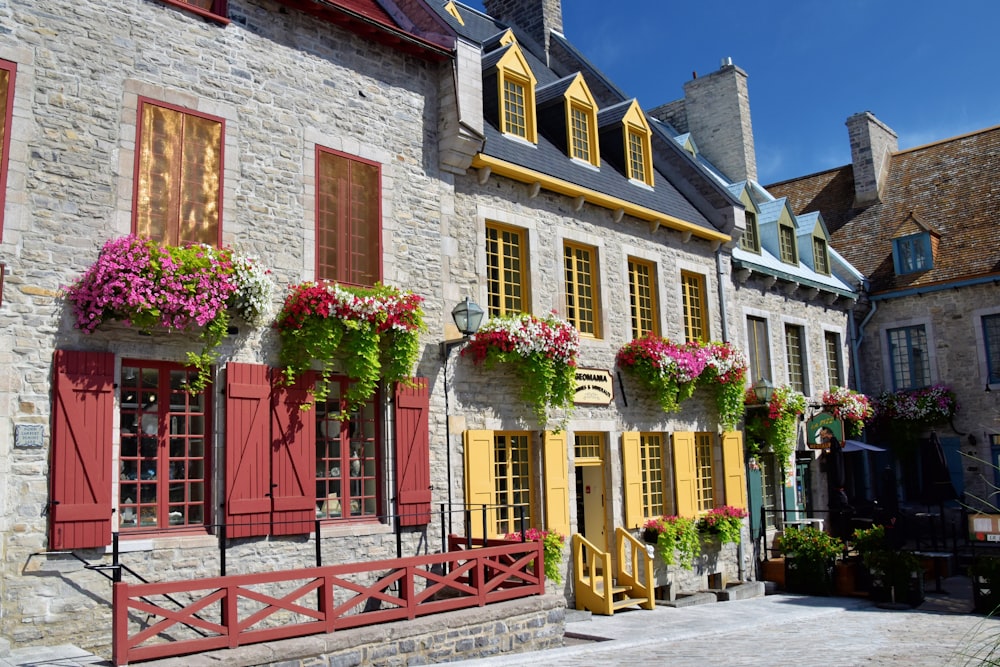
<point x="593" y="582"/>
<point x="639" y="576"/>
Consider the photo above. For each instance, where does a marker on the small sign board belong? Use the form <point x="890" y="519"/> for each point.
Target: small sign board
<point x="29" y="436"/>
<point x="823" y="420"/>
<point x="984" y="527"/>
<point x="594" y="386"/>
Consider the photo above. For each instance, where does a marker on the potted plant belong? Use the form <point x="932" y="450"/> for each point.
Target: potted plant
<point x="674" y="534"/>
<point x="852" y="407"/>
<point x="372" y="333"/>
<point x="895" y="574"/>
<point x="542" y="351"/>
<point x="552" y="549"/>
<point x="724" y="522"/>
<point x="810" y="555"/>
<point x="148" y="285"/>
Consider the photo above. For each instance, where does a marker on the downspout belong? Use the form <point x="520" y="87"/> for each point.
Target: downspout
<point x="858" y="335"/>
<point x="721" y="274"/>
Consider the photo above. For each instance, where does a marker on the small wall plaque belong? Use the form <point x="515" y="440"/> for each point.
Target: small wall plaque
<point x="29" y="436"/>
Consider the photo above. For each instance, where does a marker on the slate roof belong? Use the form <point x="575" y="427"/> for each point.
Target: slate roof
<point x="953" y="186"/>
<point x="548" y="158"/>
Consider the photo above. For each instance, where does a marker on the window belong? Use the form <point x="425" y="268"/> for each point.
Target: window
<point x="821" y="259"/>
<point x="638" y="151"/>
<point x="514" y="115"/>
<point x="516" y="88"/>
<point x="581" y="300"/>
<point x="794" y="338"/>
<point x="769" y="486"/>
<point x="178" y="193"/>
<point x="750" y="241"/>
<point x="348" y="219"/>
<point x="786" y="243"/>
<point x="512" y="475"/>
<point x="912" y="253"/>
<point x="636" y="157"/>
<point x="991" y="340"/>
<point x="651" y="458"/>
<point x="348" y="462"/>
<point x="163" y="458"/>
<point x="580" y="133"/>
<point x="506" y="279"/>
<point x="758" y="349"/>
<point x="704" y="470"/>
<point x="908" y="357"/>
<point x="642" y="297"/>
<point x="834" y="370"/>
<point x="7" y="72"/>
<point x="695" y="314"/>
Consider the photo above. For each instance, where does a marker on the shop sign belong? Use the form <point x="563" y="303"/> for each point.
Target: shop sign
<point x="823" y="420"/>
<point x="593" y="387"/>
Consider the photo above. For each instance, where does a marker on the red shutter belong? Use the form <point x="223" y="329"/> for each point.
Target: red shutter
<point x="80" y="476"/>
<point x="413" y="456"/>
<point x="248" y="466"/>
<point x="293" y="458"/>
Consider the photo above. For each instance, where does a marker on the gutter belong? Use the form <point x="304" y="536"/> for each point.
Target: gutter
<point x="939" y="287"/>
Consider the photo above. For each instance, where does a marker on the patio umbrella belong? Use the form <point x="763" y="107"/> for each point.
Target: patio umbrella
<point x="858" y="446"/>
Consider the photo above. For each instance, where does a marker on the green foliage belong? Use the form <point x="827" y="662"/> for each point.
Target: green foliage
<point x="811" y="545"/>
<point x="552" y="549"/>
<point x="675" y="534"/>
<point x="774" y="426"/>
<point x="726" y="522"/>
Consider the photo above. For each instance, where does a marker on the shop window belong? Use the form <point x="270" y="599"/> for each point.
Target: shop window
<point x="348" y="219"/>
<point x="178" y="190"/>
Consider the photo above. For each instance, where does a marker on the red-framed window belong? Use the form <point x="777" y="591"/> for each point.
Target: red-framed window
<point x="348" y="218"/>
<point x="178" y="175"/>
<point x="8" y="71"/>
<point x="348" y="458"/>
<point x="210" y="9"/>
<point x="164" y="456"/>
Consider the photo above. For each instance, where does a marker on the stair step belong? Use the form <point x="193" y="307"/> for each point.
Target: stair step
<point x="627" y="602"/>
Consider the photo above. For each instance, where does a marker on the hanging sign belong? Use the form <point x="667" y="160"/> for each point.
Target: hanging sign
<point x="593" y="387"/>
<point x="823" y="420"/>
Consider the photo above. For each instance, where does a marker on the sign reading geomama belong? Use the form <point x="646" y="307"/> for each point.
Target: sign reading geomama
<point x="593" y="387"/>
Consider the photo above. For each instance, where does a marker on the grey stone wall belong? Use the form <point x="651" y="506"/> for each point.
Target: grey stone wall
<point x="872" y="145"/>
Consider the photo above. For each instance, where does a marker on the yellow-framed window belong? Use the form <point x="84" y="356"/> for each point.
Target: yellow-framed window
<point x="588" y="448"/>
<point x="786" y="244"/>
<point x="695" y="312"/>
<point x="506" y="277"/>
<point x="750" y="241"/>
<point x="642" y="297"/>
<point x="820" y="257"/>
<point x="579" y="263"/>
<point x="512" y="480"/>
<point x="515" y="115"/>
<point x="796" y="357"/>
<point x="637" y="156"/>
<point x="651" y="458"/>
<point x="579" y="133"/>
<point x="704" y="470"/>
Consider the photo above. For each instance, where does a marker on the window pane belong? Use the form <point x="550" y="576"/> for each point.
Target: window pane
<point x="692" y="292"/>
<point x="642" y="298"/>
<point x="703" y="471"/>
<point x="512" y="474"/>
<point x="579" y="134"/>
<point x="909" y="358"/>
<point x="651" y="453"/>
<point x="636" y="157"/>
<point x="833" y="369"/>
<point x="504" y="271"/>
<point x="749" y="239"/>
<point x="820" y="257"/>
<point x="348" y="213"/>
<point x="786" y="239"/>
<point x="758" y="349"/>
<point x="579" y="276"/>
<point x="347" y="458"/>
<point x="515" y="119"/>
<point x="796" y="363"/>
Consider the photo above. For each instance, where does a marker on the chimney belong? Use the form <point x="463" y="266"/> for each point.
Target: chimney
<point x="536" y="18"/>
<point x="717" y="111"/>
<point x="872" y="144"/>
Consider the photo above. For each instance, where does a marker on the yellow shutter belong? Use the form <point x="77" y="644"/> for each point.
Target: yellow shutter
<point x="556" y="464"/>
<point x="479" y="481"/>
<point x="733" y="469"/>
<point x="685" y="476"/>
<point x="632" y="479"/>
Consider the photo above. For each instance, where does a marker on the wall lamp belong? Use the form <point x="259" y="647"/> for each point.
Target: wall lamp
<point x="763" y="390"/>
<point x="468" y="317"/>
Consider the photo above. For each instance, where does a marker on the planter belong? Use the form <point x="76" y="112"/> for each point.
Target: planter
<point x="985" y="574"/>
<point x="908" y="589"/>
<point x="808" y="577"/>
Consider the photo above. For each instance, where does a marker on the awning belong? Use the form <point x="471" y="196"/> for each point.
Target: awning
<point x="858" y="446"/>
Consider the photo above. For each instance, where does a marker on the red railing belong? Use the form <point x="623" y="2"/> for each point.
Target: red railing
<point x="159" y="620"/>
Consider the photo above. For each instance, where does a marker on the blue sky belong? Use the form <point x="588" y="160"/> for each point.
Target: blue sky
<point x="929" y="70"/>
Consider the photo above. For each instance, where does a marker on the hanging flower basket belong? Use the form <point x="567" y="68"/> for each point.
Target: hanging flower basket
<point x="926" y="407"/>
<point x="372" y="333"/>
<point x="146" y="285"/>
<point x="543" y="353"/>
<point x="852" y="407"/>
<point x="774" y="426"/>
<point x="725" y="373"/>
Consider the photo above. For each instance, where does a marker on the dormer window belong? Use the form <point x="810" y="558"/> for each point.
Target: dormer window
<point x="516" y="88"/>
<point x="750" y="241"/>
<point x="515" y="118"/>
<point x="821" y="258"/>
<point x="912" y="253"/>
<point x="786" y="244"/>
<point x="580" y="134"/>
<point x="639" y="154"/>
<point x="636" y="156"/>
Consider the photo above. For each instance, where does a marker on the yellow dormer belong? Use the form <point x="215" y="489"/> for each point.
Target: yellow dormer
<point x="581" y="123"/>
<point x="638" y="151"/>
<point x="516" y="90"/>
<point x="453" y="10"/>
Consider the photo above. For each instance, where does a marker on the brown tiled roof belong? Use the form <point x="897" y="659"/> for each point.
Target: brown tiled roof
<point x="952" y="186"/>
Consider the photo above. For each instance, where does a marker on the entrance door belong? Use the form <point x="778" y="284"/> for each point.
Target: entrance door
<point x="591" y="516"/>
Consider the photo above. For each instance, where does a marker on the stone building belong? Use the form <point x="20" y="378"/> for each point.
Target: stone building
<point x="921" y="225"/>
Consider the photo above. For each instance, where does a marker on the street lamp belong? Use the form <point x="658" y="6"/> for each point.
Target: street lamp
<point x="468" y="317"/>
<point x="763" y="390"/>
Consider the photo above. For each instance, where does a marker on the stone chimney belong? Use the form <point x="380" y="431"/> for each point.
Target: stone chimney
<point x="536" y="18"/>
<point x="872" y="144"/>
<point x="716" y="111"/>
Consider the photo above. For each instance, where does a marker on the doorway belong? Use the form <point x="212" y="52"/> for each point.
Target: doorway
<point x="590" y="494"/>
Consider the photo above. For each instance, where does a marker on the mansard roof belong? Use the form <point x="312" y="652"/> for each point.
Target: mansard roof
<point x="946" y="185"/>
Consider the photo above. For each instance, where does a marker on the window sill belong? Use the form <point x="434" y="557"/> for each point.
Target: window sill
<point x="346" y="528"/>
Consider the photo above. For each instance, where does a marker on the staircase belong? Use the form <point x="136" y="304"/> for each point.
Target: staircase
<point x="603" y="585"/>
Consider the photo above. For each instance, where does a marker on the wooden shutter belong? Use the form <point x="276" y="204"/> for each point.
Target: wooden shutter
<point x="479" y="481"/>
<point x="293" y="457"/>
<point x="247" y="506"/>
<point x="685" y="475"/>
<point x="80" y="476"/>
<point x="733" y="469"/>
<point x="413" y="455"/>
<point x="632" y="479"/>
<point x="556" y="464"/>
